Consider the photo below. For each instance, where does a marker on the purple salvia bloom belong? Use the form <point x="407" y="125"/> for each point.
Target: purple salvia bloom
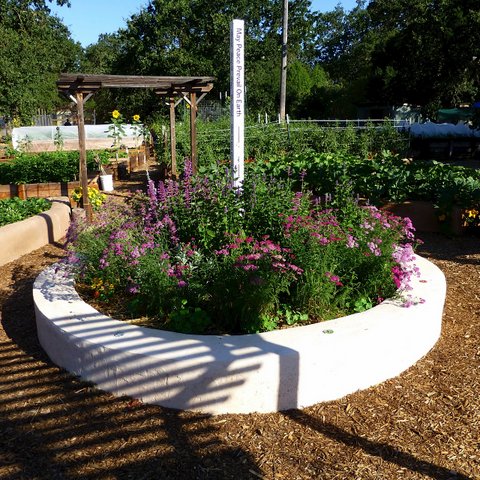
<point x="188" y="168"/>
<point x="134" y="289"/>
<point x="152" y="193"/>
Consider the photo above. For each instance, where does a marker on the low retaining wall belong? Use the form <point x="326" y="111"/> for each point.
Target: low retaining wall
<point x="20" y="238"/>
<point x="279" y="370"/>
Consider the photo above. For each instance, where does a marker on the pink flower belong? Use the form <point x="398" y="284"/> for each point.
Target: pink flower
<point x="351" y="242"/>
<point x="334" y="279"/>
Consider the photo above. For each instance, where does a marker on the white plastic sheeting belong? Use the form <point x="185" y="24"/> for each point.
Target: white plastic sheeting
<point x="442" y="130"/>
<point x="97" y="136"/>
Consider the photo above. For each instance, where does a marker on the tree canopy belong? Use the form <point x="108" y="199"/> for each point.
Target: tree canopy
<point x="34" y="48"/>
<point x="421" y="52"/>
<point x="428" y="53"/>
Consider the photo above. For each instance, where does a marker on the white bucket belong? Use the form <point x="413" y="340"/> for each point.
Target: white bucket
<point x="106" y="182"/>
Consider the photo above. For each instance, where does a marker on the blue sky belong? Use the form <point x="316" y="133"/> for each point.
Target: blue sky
<point x="87" y="19"/>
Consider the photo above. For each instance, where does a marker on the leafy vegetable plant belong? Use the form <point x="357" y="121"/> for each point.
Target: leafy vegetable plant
<point x="13" y="209"/>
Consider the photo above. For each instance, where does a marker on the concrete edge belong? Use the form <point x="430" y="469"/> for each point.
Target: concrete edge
<point x="279" y="370"/>
<point x="19" y="238"/>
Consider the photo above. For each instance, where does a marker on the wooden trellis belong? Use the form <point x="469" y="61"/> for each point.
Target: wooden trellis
<point x="80" y="87"/>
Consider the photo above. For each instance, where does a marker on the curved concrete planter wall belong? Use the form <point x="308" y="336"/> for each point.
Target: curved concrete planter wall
<point x="23" y="237"/>
<point x="266" y="372"/>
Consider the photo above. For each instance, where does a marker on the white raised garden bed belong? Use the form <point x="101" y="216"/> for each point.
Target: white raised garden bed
<point x="291" y="368"/>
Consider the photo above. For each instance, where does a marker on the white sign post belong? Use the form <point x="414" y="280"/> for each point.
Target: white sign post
<point x="237" y="100"/>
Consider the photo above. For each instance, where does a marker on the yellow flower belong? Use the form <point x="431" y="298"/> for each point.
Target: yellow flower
<point x="77" y="194"/>
<point x="115" y="114"/>
<point x="472" y="213"/>
<point x="136" y="118"/>
<point x="96" y="198"/>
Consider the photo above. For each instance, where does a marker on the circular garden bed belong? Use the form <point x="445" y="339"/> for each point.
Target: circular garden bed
<point x="278" y="370"/>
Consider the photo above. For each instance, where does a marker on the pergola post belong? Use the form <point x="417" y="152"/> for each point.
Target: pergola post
<point x="173" y="139"/>
<point x="193" y="130"/>
<point x="83" y="156"/>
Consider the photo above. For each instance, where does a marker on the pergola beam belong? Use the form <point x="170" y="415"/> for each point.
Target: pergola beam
<point x="71" y="82"/>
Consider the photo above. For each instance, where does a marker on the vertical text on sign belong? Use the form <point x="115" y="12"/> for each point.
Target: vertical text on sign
<point x="237" y="98"/>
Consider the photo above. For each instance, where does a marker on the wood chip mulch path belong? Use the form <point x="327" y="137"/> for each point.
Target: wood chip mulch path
<point x="424" y="424"/>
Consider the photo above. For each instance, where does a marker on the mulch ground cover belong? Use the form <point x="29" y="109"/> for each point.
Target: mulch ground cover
<point x="423" y="424"/>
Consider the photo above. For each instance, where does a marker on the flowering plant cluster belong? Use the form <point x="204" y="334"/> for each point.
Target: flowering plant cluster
<point x="199" y="256"/>
<point x="471" y="217"/>
<point x="95" y="197"/>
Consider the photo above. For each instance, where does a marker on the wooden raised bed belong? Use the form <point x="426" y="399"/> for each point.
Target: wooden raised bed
<point x="44" y="190"/>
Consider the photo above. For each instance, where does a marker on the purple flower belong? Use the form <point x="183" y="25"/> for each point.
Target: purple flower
<point x="366" y="225"/>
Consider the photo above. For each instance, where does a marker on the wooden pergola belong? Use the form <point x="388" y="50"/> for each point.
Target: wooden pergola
<point x="80" y="87"/>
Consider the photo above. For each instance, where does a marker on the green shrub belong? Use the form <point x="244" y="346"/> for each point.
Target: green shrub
<point x="382" y="178"/>
<point x="46" y="167"/>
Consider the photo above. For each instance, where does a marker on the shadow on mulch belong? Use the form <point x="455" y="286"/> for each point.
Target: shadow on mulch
<point x="55" y="426"/>
<point x="417" y="426"/>
<point x="461" y="249"/>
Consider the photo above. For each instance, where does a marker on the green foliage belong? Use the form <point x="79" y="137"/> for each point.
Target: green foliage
<point x="58" y="139"/>
<point x="34" y="48"/>
<point x="441" y="39"/>
<point x="188" y="319"/>
<point x="45" y="167"/>
<point x="422" y="52"/>
<point x="13" y="209"/>
<point x="337" y="59"/>
<point x="158" y="41"/>
<point x="384" y="177"/>
<point x="271" y="142"/>
<point x="199" y="256"/>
